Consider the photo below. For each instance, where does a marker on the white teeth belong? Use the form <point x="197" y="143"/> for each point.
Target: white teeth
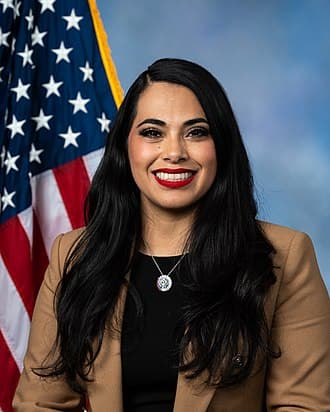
<point x="173" y="177"/>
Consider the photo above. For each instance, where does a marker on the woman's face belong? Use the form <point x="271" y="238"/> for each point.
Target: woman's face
<point x="171" y="152"/>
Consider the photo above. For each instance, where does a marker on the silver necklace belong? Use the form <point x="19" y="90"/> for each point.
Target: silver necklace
<point x="164" y="281"/>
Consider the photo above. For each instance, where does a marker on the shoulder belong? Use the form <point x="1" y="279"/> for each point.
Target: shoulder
<point x="291" y="246"/>
<point x="281" y="237"/>
<point x="69" y="239"/>
<point x="288" y="243"/>
<point x="63" y="245"/>
<point x="295" y="265"/>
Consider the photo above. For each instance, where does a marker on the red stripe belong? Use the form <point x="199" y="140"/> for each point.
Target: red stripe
<point x="16" y="254"/>
<point x="73" y="183"/>
<point x="39" y="254"/>
<point x="8" y="378"/>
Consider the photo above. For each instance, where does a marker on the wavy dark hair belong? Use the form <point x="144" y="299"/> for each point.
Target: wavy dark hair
<point x="229" y="265"/>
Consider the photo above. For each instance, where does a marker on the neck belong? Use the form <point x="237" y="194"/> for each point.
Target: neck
<point x="165" y="234"/>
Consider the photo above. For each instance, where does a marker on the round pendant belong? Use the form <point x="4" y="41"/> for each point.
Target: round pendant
<point x="164" y="283"/>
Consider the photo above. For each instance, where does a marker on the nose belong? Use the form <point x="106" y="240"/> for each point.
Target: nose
<point x="174" y="149"/>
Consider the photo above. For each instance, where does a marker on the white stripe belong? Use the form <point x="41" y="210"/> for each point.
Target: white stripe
<point x="49" y="207"/>
<point x="92" y="160"/>
<point x="26" y="220"/>
<point x="14" y="319"/>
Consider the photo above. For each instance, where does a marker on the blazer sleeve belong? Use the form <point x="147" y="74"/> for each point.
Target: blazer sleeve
<point x="33" y="392"/>
<point x="299" y="379"/>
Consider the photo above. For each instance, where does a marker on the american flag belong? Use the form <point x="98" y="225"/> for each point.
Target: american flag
<point x="58" y="94"/>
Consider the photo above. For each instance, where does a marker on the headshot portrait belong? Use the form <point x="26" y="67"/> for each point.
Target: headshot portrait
<point x="164" y="207"/>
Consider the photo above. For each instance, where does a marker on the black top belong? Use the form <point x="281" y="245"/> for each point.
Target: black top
<point x="149" y="360"/>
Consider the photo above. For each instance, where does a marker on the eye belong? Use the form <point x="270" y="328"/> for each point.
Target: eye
<point x="150" y="132"/>
<point x="198" y="132"/>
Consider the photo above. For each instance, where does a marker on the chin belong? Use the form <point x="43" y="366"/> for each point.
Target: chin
<point x="179" y="207"/>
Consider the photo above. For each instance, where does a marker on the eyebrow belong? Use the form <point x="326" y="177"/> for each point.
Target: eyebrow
<point x="189" y="122"/>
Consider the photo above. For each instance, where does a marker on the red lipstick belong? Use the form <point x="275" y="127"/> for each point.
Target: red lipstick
<point x="178" y="170"/>
<point x="173" y="184"/>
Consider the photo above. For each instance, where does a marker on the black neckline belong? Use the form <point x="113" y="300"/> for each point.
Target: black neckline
<point x="159" y="257"/>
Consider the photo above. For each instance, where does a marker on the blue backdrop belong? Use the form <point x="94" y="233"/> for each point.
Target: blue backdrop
<point x="273" y="58"/>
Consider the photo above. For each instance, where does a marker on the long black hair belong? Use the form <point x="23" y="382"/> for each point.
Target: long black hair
<point x="228" y="270"/>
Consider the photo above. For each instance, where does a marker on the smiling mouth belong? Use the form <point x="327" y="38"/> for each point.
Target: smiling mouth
<point x="174" y="178"/>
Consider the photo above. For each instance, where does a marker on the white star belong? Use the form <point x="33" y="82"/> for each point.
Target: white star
<point x="2" y="156"/>
<point x="62" y="53"/>
<point x="72" y="20"/>
<point x="16" y="127"/>
<point x="88" y="72"/>
<point x="27" y="56"/>
<point x="52" y="86"/>
<point x="7" y="199"/>
<point x="21" y="90"/>
<point x="47" y="5"/>
<point x="6" y="4"/>
<point x="3" y="38"/>
<point x="30" y="19"/>
<point x="34" y="154"/>
<point x="42" y="120"/>
<point x="1" y="68"/>
<point x="70" y="137"/>
<point x="79" y="103"/>
<point x="104" y="122"/>
<point x="10" y="162"/>
<point x="37" y="37"/>
<point x="16" y="10"/>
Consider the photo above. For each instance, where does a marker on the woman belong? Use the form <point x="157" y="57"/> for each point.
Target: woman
<point x="174" y="297"/>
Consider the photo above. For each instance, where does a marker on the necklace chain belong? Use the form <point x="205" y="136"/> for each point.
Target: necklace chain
<point x="173" y="268"/>
<point x="164" y="282"/>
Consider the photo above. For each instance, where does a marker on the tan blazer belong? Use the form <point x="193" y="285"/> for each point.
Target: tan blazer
<point x="297" y="310"/>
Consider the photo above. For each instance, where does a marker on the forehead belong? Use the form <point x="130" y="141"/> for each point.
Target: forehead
<point x="162" y="100"/>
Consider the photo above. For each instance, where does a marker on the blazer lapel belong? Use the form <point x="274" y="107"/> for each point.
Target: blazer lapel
<point x="192" y="395"/>
<point x="105" y="393"/>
